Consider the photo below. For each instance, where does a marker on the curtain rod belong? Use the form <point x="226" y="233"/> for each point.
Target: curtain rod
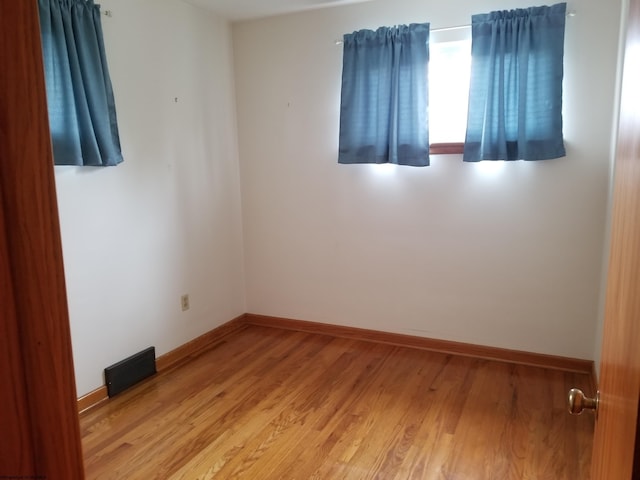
<point x="458" y="27"/>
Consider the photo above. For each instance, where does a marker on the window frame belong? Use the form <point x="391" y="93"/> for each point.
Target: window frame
<point x="450" y="148"/>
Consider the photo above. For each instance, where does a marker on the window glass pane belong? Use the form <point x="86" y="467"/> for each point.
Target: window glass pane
<point x="449" y="69"/>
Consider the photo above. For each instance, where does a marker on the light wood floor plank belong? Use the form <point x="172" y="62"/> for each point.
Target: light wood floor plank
<point x="277" y="404"/>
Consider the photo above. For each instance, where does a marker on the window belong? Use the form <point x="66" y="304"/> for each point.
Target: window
<point x="82" y="113"/>
<point x="506" y="104"/>
<point x="449" y="71"/>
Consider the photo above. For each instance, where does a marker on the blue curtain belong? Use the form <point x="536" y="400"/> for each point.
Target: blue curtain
<point x="383" y="111"/>
<point x="515" y="95"/>
<point x="82" y="113"/>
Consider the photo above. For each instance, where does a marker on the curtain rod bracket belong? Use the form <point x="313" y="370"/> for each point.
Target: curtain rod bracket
<point x="108" y="13"/>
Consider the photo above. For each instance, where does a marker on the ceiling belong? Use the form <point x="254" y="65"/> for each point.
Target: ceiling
<point x="236" y="10"/>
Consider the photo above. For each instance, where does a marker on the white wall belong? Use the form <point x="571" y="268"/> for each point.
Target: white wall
<point x="509" y="258"/>
<point x="167" y="221"/>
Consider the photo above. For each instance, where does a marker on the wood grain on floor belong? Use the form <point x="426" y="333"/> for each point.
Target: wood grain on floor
<point x="275" y="404"/>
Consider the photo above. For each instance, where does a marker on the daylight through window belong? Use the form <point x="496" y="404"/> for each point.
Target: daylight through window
<point x="449" y="71"/>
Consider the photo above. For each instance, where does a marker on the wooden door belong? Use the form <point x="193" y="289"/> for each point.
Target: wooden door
<point x="39" y="430"/>
<point x="615" y="433"/>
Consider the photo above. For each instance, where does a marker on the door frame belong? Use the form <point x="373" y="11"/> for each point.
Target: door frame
<point x="39" y="418"/>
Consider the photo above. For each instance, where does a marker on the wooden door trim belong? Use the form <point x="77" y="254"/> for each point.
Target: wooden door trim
<point x="619" y="382"/>
<point x="16" y="440"/>
<point x="39" y="323"/>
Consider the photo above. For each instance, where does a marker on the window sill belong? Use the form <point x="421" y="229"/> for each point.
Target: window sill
<point x="446" y="148"/>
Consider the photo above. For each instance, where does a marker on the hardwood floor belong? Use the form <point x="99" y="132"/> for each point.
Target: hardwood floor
<point x="275" y="404"/>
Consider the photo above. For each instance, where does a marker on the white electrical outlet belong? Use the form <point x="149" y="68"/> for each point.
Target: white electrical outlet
<point x="184" y="302"/>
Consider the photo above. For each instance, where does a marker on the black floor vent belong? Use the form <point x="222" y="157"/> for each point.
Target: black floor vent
<point x="130" y="371"/>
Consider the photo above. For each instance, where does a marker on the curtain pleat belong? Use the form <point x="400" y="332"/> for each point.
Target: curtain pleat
<point x="82" y="112"/>
<point x="515" y="95"/>
<point x="383" y="112"/>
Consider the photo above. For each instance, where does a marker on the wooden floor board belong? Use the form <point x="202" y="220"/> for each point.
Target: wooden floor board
<point x="278" y="404"/>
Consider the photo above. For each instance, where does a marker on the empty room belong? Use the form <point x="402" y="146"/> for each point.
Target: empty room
<point x="246" y="290"/>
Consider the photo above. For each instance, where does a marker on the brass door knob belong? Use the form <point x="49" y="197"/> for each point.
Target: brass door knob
<point x="578" y="402"/>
